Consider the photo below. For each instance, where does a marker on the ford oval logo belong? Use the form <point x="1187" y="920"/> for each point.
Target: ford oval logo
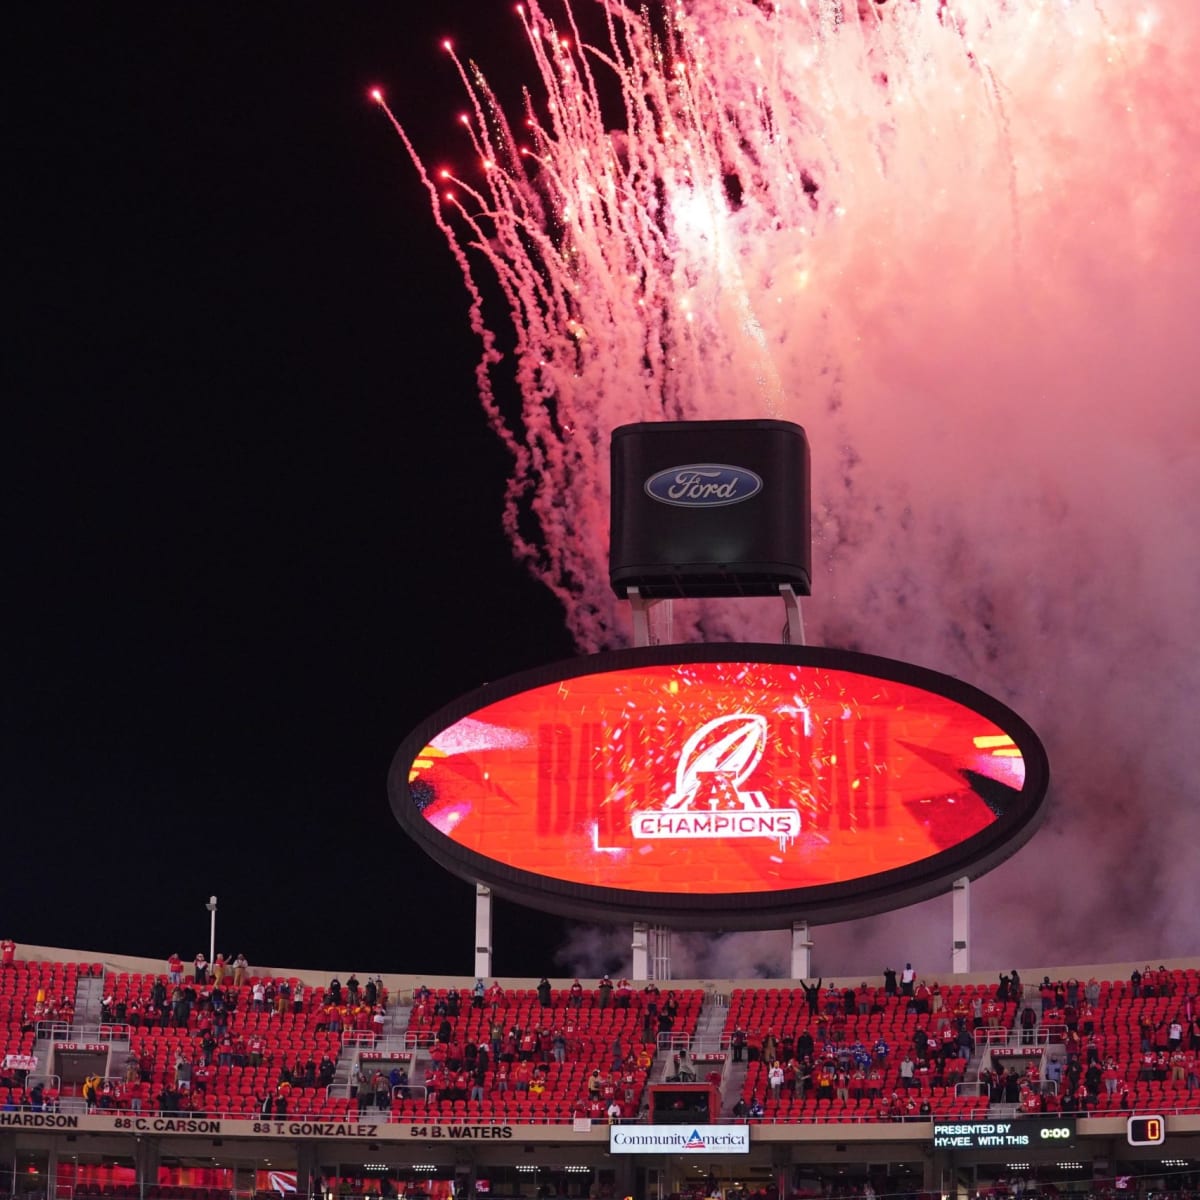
<point x="703" y="485"/>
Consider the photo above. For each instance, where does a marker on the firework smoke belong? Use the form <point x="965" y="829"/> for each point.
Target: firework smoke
<point x="957" y="242"/>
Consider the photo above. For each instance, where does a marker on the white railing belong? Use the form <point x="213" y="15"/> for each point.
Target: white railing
<point x="61" y="1031"/>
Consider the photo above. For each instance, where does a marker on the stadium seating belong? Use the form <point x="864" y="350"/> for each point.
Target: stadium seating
<point x="1124" y="1023"/>
<point x="20" y="988"/>
<point x="590" y="1032"/>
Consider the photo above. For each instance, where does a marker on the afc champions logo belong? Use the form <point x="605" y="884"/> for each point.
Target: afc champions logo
<point x="710" y="799"/>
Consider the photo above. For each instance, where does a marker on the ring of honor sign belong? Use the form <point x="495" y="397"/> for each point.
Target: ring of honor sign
<point x="721" y="786"/>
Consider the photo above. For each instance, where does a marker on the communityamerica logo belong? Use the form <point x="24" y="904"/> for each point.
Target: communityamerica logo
<point x="710" y="799"/>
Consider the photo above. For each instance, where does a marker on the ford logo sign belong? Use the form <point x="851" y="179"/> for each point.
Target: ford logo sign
<point x="703" y="485"/>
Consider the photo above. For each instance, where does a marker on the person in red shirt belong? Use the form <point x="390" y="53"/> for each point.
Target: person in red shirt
<point x="8" y="953"/>
<point x="1110" y="1077"/>
<point x="175" y="969"/>
<point x="1191" y="1072"/>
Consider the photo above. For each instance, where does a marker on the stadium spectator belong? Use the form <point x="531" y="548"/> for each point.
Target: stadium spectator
<point x="737" y="1043"/>
<point x="175" y="970"/>
<point x="1054" y="1071"/>
<point x="921" y="1043"/>
<point x="908" y="979"/>
<point x="1046" y="994"/>
<point x="768" y="1050"/>
<point x="8" y="954"/>
<point x="200" y="969"/>
<point x="1191" y="1070"/>
<point x="812" y="995"/>
<point x="1028" y="1026"/>
<point x="202" y="1074"/>
<point x="604" y="991"/>
<point x="833" y="1000"/>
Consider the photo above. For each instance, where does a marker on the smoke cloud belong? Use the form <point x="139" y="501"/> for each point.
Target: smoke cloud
<point x="959" y="245"/>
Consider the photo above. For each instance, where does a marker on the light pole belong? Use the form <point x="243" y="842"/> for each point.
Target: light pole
<point x="212" y="931"/>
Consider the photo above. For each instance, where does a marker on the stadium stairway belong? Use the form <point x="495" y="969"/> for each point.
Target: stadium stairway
<point x="732" y="1083"/>
<point x="395" y="1028"/>
<point x="705" y="1038"/>
<point x="663" y="1070"/>
<point x="89" y="992"/>
<point x="347" y="1064"/>
<point x="391" y="1040"/>
<point x="978" y="1060"/>
<point x="42" y="1049"/>
<point x="710" y="1025"/>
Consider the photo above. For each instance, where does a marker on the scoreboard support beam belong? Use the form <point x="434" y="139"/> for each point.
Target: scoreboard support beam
<point x="653" y="620"/>
<point x="483" y="931"/>
<point x="801" y="951"/>
<point x="960" y="960"/>
<point x="651" y="951"/>
<point x="641" y="950"/>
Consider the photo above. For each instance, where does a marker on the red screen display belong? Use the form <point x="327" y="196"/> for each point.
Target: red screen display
<point x="716" y="778"/>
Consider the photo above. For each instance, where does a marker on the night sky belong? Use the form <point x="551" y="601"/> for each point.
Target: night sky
<point x="254" y="530"/>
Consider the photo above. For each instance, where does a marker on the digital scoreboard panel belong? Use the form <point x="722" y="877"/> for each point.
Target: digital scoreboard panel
<point x="1146" y="1131"/>
<point x="1016" y="1133"/>
<point x="755" y="782"/>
